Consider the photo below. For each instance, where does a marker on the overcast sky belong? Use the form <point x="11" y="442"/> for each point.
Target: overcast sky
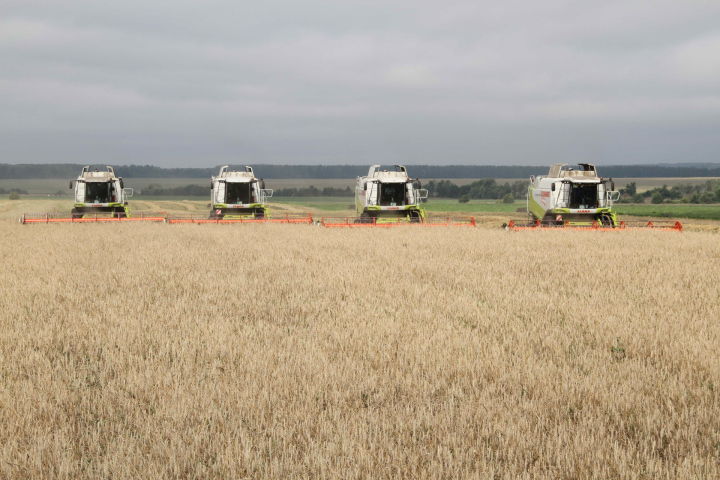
<point x="199" y="83"/>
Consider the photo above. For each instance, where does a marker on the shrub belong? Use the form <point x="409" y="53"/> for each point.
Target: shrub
<point x="14" y="196"/>
<point x="707" y="197"/>
<point x="464" y="198"/>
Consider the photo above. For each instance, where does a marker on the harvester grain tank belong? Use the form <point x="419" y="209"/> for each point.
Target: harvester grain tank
<point x="389" y="196"/>
<point x="100" y="192"/>
<point x="572" y="195"/>
<point x="238" y="194"/>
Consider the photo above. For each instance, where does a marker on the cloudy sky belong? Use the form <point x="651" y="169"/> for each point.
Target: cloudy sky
<point x="198" y="83"/>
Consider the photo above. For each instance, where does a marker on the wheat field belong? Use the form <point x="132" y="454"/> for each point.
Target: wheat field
<point x="292" y="351"/>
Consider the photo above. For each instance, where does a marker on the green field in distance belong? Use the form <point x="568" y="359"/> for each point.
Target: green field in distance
<point x="708" y="212"/>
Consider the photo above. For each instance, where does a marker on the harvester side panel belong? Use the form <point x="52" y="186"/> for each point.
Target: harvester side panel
<point x="79" y="192"/>
<point x="220" y="192"/>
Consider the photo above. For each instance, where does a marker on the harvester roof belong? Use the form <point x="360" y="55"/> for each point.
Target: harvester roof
<point x="399" y="175"/>
<point x="97" y="177"/>
<point x="585" y="171"/>
<point x="390" y="177"/>
<point x="238" y="177"/>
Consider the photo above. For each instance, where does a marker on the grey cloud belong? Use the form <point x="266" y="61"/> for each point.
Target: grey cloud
<point x="198" y="83"/>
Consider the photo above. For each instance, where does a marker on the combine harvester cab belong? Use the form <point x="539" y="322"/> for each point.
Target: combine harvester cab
<point x="237" y="196"/>
<point x="100" y="196"/>
<point x="100" y="192"/>
<point x="576" y="198"/>
<point x="386" y="198"/>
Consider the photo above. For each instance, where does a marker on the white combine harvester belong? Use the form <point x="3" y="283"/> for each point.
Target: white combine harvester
<point x="100" y="192"/>
<point x="238" y="194"/>
<point x="386" y="198"/>
<point x="389" y="196"/>
<point x="575" y="196"/>
<point x="100" y="196"/>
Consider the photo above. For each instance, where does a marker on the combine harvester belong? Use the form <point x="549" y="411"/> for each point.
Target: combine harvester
<point x="388" y="198"/>
<point x="578" y="198"/>
<point x="237" y="196"/>
<point x="100" y="196"/>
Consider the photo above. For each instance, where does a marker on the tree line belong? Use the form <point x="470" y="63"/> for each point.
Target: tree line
<point x="155" y="189"/>
<point x="486" y="188"/>
<point x="313" y="191"/>
<point x="708" y="192"/>
<point x="18" y="191"/>
<point x="71" y="170"/>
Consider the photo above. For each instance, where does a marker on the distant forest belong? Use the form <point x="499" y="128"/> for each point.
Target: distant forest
<point x="69" y="171"/>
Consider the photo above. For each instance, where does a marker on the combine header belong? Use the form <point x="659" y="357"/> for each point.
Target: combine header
<point x="657" y="225"/>
<point x="290" y="218"/>
<point x="28" y="218"/>
<point x="578" y="198"/>
<point x="428" y="221"/>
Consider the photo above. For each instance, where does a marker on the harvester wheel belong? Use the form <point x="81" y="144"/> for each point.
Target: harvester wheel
<point x="414" y="217"/>
<point x="75" y="213"/>
<point x="120" y="213"/>
<point x="606" y="221"/>
<point x="259" y="214"/>
<point x="551" y="220"/>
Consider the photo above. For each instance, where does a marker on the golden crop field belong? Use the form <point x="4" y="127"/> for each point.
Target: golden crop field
<point x="292" y="351"/>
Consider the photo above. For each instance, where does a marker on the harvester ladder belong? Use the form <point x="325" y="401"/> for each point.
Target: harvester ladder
<point x="564" y="197"/>
<point x="373" y="193"/>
